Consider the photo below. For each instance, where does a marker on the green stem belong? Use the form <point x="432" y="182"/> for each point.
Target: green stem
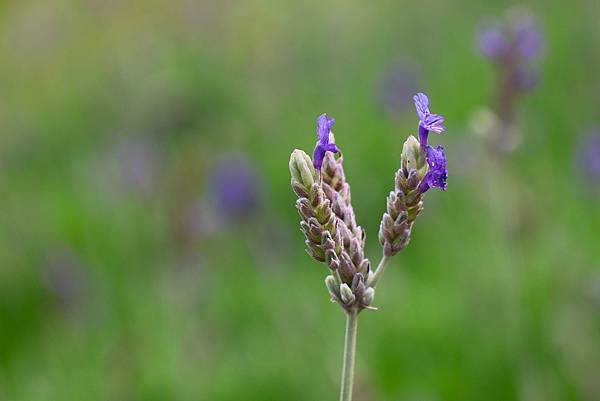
<point x="349" y="356"/>
<point x="372" y="282"/>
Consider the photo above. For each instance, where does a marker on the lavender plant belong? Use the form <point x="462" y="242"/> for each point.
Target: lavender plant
<point x="512" y="45"/>
<point x="332" y="235"/>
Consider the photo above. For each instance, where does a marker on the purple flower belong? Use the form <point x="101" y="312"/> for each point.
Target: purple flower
<point x="517" y="40"/>
<point x="491" y="42"/>
<point x="235" y="186"/>
<point x="427" y="121"/>
<point x="437" y="174"/>
<point x="528" y="40"/>
<point x="324" y="125"/>
<point x="511" y="45"/>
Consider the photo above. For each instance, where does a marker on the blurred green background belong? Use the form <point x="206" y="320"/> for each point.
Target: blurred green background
<point x="122" y="277"/>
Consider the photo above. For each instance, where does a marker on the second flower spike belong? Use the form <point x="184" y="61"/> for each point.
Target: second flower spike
<point x="421" y="167"/>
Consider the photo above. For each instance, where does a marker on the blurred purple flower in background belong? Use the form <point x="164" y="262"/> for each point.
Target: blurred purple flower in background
<point x="492" y="42"/>
<point x="234" y="187"/>
<point x="230" y="194"/>
<point x="587" y="156"/>
<point x="64" y="277"/>
<point x="517" y="40"/>
<point x="511" y="45"/>
<point x="399" y="81"/>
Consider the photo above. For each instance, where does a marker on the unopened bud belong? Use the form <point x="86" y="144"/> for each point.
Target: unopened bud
<point x="346" y="294"/>
<point x="302" y="169"/>
<point x="368" y="295"/>
<point x="332" y="286"/>
<point x="413" y="156"/>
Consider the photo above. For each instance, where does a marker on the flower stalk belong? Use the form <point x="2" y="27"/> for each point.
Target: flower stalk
<point x="374" y="278"/>
<point x="347" y="382"/>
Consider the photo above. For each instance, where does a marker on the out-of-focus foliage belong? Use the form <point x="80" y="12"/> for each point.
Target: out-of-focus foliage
<point x="124" y="275"/>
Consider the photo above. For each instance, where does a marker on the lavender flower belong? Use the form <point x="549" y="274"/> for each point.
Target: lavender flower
<point x="422" y="167"/>
<point x="329" y="225"/>
<point x="516" y="40"/>
<point x="323" y="145"/>
<point x="427" y="121"/>
<point x="318" y="222"/>
<point x="405" y="202"/>
<point x="492" y="42"/>
<point x="437" y="174"/>
<point x="234" y="187"/>
<point x="528" y="38"/>
<point x="330" y="229"/>
<point x="511" y="45"/>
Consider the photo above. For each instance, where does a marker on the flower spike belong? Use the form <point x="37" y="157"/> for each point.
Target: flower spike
<point x="421" y="167"/>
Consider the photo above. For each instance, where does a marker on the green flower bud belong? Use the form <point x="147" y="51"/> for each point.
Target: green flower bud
<point x="302" y="170"/>
<point x="332" y="286"/>
<point x="413" y="157"/>
<point x="346" y="294"/>
<point x="368" y="295"/>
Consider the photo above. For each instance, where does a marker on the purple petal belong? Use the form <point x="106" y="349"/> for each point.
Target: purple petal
<point x="528" y="40"/>
<point x="324" y="125"/>
<point x="433" y="122"/>
<point x="324" y="128"/>
<point x="318" y="156"/>
<point x="421" y="105"/>
<point x="437" y="174"/>
<point x="492" y="42"/>
<point x="427" y="121"/>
